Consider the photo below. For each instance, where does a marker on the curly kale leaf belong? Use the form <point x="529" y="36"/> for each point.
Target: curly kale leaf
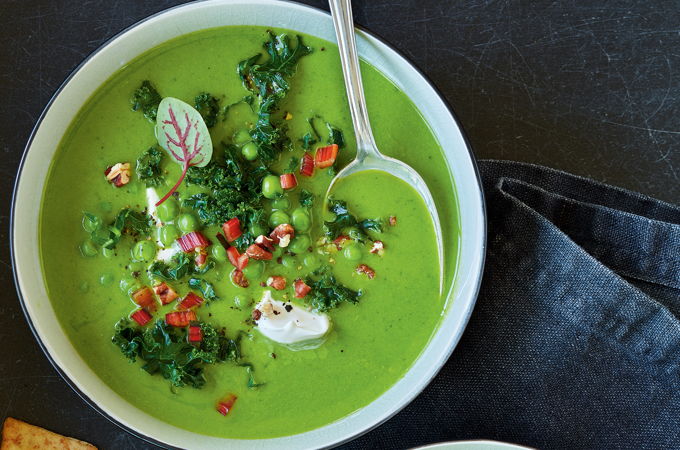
<point x="209" y="107"/>
<point x="344" y="220"/>
<point x="148" y="168"/>
<point x="127" y="221"/>
<point x="204" y="287"/>
<point x="267" y="80"/>
<point x="182" y="266"/>
<point x="326" y="292"/>
<point x="306" y="198"/>
<point x="165" y="350"/>
<point x="146" y="98"/>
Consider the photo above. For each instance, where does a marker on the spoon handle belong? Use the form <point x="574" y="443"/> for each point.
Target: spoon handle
<point x="341" y="10"/>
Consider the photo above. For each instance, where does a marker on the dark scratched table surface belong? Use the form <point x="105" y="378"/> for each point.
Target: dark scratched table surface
<point x="588" y="87"/>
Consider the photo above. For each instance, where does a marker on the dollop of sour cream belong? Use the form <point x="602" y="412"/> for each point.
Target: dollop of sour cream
<point x="287" y="323"/>
<point x="163" y="254"/>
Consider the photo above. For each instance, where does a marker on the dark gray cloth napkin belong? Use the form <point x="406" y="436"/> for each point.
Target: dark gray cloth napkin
<point x="575" y="338"/>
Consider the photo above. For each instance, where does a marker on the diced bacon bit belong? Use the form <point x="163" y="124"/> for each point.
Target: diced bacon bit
<point x="192" y="241"/>
<point x="232" y="229"/>
<point x="242" y="261"/>
<point x="307" y="165"/>
<point x="265" y="242"/>
<point x="325" y="156"/>
<point x="283" y="234"/>
<point x="239" y="278"/>
<point x="256" y="314"/>
<point x="288" y="181"/>
<point x="227" y="404"/>
<point x="257" y="252"/>
<point x="189" y="301"/>
<point x="195" y="334"/>
<point x="180" y="318"/>
<point x="363" y="268"/>
<point x="201" y="258"/>
<point x="118" y="174"/>
<point x="144" y="297"/>
<point x="378" y="248"/>
<point x="340" y="241"/>
<point x="392" y="221"/>
<point x="277" y="282"/>
<point x="301" y="288"/>
<point x="141" y="316"/>
<point x="165" y="293"/>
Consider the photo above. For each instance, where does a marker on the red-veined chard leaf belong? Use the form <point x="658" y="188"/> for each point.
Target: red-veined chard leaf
<point x="181" y="131"/>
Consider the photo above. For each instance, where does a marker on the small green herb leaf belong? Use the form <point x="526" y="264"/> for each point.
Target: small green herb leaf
<point x="146" y="99"/>
<point x="206" y="288"/>
<point x="306" y="198"/>
<point x="182" y="266"/>
<point x="127" y="221"/>
<point x="344" y="220"/>
<point x="326" y="292"/>
<point x="148" y="168"/>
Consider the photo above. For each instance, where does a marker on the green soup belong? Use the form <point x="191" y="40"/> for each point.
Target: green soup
<point x="372" y="343"/>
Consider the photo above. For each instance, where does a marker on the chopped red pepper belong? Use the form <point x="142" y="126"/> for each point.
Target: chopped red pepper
<point x="225" y="405"/>
<point x="190" y="300"/>
<point x="165" y="293"/>
<point x="288" y="181"/>
<point x="277" y="282"/>
<point x="180" y="318"/>
<point x="144" y="298"/>
<point x="195" y="334"/>
<point x="239" y="278"/>
<point x="201" y="258"/>
<point x="307" y="165"/>
<point x="141" y="316"/>
<point x="232" y="229"/>
<point x="257" y="252"/>
<point x="192" y="241"/>
<point x="325" y="156"/>
<point x="301" y="288"/>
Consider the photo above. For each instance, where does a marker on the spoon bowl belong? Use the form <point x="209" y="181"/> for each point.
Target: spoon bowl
<point x="368" y="156"/>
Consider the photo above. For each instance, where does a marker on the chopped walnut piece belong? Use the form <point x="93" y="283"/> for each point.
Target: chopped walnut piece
<point x="392" y="220"/>
<point x="378" y="248"/>
<point x="284" y="232"/>
<point x="363" y="268"/>
<point x="265" y="242"/>
<point x="239" y="278"/>
<point x="277" y="282"/>
<point x="118" y="174"/>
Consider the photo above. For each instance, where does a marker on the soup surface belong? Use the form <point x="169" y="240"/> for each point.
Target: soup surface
<point x="280" y="389"/>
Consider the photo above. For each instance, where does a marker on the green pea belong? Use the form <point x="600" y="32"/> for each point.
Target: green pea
<point x="135" y="266"/>
<point x="254" y="269"/>
<point x="257" y="230"/>
<point x="352" y="252"/>
<point x="289" y="262"/>
<point x="108" y="252"/>
<point x="144" y="251"/>
<point x="311" y="261"/>
<point x="281" y="203"/>
<point x="271" y="187"/>
<point x="127" y="284"/>
<point x="240" y="301"/>
<point x="90" y="222"/>
<point x="88" y="248"/>
<point x="278" y="251"/>
<point x="187" y="223"/>
<point x="219" y="253"/>
<point x="300" y="244"/>
<point x="277" y="218"/>
<point x="168" y="234"/>
<point x="167" y="210"/>
<point x="106" y="279"/>
<point x="241" y="136"/>
<point x="250" y="151"/>
<point x="301" y="220"/>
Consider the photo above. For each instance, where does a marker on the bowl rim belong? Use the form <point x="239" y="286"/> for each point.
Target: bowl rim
<point x="470" y="154"/>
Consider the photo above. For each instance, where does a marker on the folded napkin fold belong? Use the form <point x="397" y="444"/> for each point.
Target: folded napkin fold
<point x="575" y="338"/>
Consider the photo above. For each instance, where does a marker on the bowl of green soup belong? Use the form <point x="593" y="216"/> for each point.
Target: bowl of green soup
<point x="175" y="256"/>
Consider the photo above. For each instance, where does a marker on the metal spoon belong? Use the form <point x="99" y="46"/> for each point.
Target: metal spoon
<point x="368" y="157"/>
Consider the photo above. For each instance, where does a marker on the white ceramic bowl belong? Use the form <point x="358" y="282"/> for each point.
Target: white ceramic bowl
<point x="148" y="34"/>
